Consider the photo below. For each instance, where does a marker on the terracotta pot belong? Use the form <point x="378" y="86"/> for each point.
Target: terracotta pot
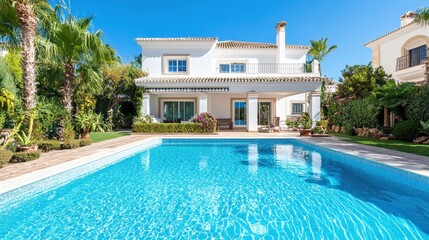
<point x="84" y="135"/>
<point x="305" y="132"/>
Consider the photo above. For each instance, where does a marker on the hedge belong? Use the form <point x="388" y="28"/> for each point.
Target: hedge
<point x="354" y="113"/>
<point x="418" y="105"/>
<point x="49" y="145"/>
<point x="5" y="156"/>
<point x="25" y="156"/>
<point x="85" y="142"/>
<point x="71" y="144"/>
<point x="167" y="128"/>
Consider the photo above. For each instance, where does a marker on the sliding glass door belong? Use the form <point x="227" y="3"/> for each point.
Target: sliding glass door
<point x="264" y="113"/>
<point x="177" y="111"/>
<point x="240" y="119"/>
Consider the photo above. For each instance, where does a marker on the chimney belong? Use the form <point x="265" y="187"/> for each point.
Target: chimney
<point x="407" y="18"/>
<point x="281" y="42"/>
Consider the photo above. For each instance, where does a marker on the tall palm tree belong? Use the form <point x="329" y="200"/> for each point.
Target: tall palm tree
<point x="422" y="17"/>
<point x="19" y="24"/>
<point x="319" y="50"/>
<point x="70" y="43"/>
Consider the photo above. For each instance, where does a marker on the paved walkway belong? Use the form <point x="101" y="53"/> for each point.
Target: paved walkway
<point x="410" y="162"/>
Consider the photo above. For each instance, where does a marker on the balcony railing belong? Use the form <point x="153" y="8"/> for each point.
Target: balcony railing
<point x="408" y="61"/>
<point x="276" y="68"/>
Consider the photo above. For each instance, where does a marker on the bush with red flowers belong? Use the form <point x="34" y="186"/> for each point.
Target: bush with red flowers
<point x="206" y="121"/>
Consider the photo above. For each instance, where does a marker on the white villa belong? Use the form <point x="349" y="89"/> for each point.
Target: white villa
<point x="3" y="51"/>
<point x="402" y="52"/>
<point x="249" y="83"/>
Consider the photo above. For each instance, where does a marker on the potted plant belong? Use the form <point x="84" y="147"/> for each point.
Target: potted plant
<point x="87" y="122"/>
<point x="305" y="125"/>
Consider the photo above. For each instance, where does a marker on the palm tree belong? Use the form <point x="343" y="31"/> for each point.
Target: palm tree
<point x="390" y="96"/>
<point x="19" y="24"/>
<point x="422" y="17"/>
<point x="319" y="50"/>
<point x="70" y="44"/>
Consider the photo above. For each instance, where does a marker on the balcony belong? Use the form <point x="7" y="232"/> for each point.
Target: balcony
<point x="408" y="61"/>
<point x="268" y="68"/>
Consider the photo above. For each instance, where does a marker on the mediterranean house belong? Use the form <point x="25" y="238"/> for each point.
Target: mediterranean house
<point x="402" y="52"/>
<point x="3" y="51"/>
<point x="249" y="83"/>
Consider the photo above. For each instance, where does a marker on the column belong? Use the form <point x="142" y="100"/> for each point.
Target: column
<point x="315" y="66"/>
<point x="146" y="104"/>
<point x="252" y="112"/>
<point x="315" y="106"/>
<point x="202" y="103"/>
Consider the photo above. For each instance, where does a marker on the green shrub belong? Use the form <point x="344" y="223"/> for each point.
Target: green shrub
<point x="352" y="112"/>
<point x="49" y="145"/>
<point x="2" y="118"/>
<point x="418" y="105"/>
<point x="5" y="156"/>
<point x="25" y="156"/>
<point x="386" y="129"/>
<point x="85" y="142"/>
<point x="71" y="144"/>
<point x="406" y="130"/>
<point x="167" y="127"/>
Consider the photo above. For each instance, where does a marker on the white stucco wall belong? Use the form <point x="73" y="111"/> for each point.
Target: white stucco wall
<point x="205" y="60"/>
<point x="3" y="53"/>
<point x="391" y="47"/>
<point x="391" y="50"/>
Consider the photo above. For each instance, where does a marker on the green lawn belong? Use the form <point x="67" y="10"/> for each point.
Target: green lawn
<point x="103" y="136"/>
<point x="420" y="149"/>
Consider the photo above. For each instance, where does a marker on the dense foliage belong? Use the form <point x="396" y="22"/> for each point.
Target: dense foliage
<point x="359" y="81"/>
<point x="406" y="130"/>
<point x="418" y="104"/>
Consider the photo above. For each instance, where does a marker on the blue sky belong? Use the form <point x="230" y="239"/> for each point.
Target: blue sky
<point x="348" y="24"/>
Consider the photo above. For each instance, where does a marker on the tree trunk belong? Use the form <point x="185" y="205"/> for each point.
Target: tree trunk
<point x="28" y="22"/>
<point x="68" y="87"/>
<point x="386" y="117"/>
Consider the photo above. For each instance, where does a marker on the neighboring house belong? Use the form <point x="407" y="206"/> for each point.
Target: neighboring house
<point x="3" y="51"/>
<point x="402" y="52"/>
<point x="249" y="83"/>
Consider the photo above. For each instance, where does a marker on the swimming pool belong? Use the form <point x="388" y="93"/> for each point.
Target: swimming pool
<point x="225" y="188"/>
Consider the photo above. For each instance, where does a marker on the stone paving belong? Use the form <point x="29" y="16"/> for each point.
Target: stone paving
<point x="409" y="162"/>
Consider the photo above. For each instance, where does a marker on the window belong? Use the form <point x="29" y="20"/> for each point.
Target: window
<point x="177" y="111"/>
<point x="224" y="68"/>
<point x="232" y="68"/>
<point x="238" y="67"/>
<point x="417" y="55"/>
<point x="297" y="108"/>
<point x="176" y="65"/>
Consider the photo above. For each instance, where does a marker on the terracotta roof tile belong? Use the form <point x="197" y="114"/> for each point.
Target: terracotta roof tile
<point x="220" y="79"/>
<point x="253" y="45"/>
<point x="185" y="39"/>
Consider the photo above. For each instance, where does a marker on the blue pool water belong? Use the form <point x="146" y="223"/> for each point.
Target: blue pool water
<point x="227" y="189"/>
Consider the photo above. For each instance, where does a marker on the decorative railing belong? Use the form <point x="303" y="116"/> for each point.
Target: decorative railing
<point x="408" y="61"/>
<point x="277" y="68"/>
